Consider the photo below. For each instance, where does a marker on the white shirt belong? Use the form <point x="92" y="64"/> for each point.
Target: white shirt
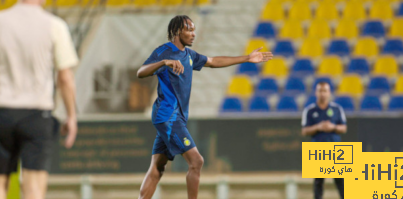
<point x="33" y="44"/>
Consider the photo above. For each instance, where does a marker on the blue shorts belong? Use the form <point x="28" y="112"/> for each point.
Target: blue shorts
<point x="172" y="138"/>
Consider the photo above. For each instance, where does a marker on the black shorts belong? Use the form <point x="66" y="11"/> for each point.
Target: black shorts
<point x="28" y="135"/>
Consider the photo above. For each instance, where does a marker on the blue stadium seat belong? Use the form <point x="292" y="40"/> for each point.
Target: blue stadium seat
<point x="394" y="47"/>
<point x="287" y="104"/>
<point x="371" y="103"/>
<point x="323" y="79"/>
<point x="294" y="85"/>
<point x="265" y="30"/>
<point x="396" y="103"/>
<point x="400" y="10"/>
<point x="374" y="29"/>
<point x="302" y="68"/>
<point x="284" y="48"/>
<point x="258" y="104"/>
<point x="378" y="85"/>
<point x="359" y="66"/>
<point x="339" y="47"/>
<point x="346" y="102"/>
<point x="311" y="99"/>
<point x="231" y="104"/>
<point x="248" y="68"/>
<point x="267" y="86"/>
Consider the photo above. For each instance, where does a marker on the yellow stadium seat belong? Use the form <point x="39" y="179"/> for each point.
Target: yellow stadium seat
<point x="366" y="46"/>
<point x="399" y="85"/>
<point x="240" y="85"/>
<point x="311" y="47"/>
<point x="116" y="3"/>
<point x="170" y="2"/>
<point x="197" y="2"/>
<point x="347" y="29"/>
<point x="275" y="67"/>
<point x="354" y="11"/>
<point x="351" y="85"/>
<point x="273" y="11"/>
<point x="292" y="29"/>
<point x="396" y="29"/>
<point x="331" y="66"/>
<point x="86" y="3"/>
<point x="7" y="4"/>
<point x="300" y="11"/>
<point x="319" y="29"/>
<point x="381" y="10"/>
<point x="144" y="3"/>
<point x="254" y="44"/>
<point x="386" y="65"/>
<point x="327" y="11"/>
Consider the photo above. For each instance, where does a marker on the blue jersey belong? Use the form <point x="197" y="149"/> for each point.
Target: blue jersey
<point x="313" y="115"/>
<point x="174" y="90"/>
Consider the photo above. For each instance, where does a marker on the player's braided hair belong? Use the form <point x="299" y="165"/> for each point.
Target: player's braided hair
<point x="176" y="25"/>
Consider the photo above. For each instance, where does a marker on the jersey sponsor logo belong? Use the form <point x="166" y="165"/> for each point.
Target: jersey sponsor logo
<point x="190" y="61"/>
<point x="329" y="112"/>
<point x="186" y="141"/>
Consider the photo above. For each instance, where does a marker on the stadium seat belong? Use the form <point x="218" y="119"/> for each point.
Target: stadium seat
<point x="399" y="85"/>
<point x="273" y="11"/>
<point x="7" y="4"/>
<point x="396" y="103"/>
<point x="327" y="11"/>
<point x="367" y="47"/>
<point x="302" y="68"/>
<point x="294" y="85"/>
<point x="170" y="2"/>
<point x="386" y="65"/>
<point x="265" y="30"/>
<point x="373" y="29"/>
<point x="347" y="29"/>
<point x="254" y="44"/>
<point x="287" y="104"/>
<point x="291" y="29"/>
<point x="86" y="3"/>
<point x="378" y="85"/>
<point x="66" y="3"/>
<point x="275" y="67"/>
<point x="311" y="99"/>
<point x="393" y="46"/>
<point x="354" y="11"/>
<point x="359" y="66"/>
<point x="144" y="3"/>
<point x="331" y="66"/>
<point x="346" y="102"/>
<point x="284" y="48"/>
<point x="400" y="10"/>
<point x="117" y="3"/>
<point x="371" y="103"/>
<point x="197" y="2"/>
<point x="339" y="47"/>
<point x="241" y="86"/>
<point x="259" y="104"/>
<point x="248" y="68"/>
<point x="300" y="11"/>
<point x="319" y="29"/>
<point x="231" y="104"/>
<point x="311" y="47"/>
<point x="381" y="10"/>
<point x="351" y="85"/>
<point x="396" y="29"/>
<point x="266" y="86"/>
<point x="323" y="79"/>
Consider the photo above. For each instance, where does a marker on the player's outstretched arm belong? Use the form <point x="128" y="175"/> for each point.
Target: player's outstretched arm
<point x="254" y="57"/>
<point x="149" y="69"/>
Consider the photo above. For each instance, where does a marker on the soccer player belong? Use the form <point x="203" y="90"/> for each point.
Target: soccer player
<point x="324" y="121"/>
<point x="33" y="45"/>
<point x="173" y="63"/>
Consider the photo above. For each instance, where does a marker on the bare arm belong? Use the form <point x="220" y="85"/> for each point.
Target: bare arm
<point x="310" y="130"/>
<point x="149" y="69"/>
<point x="67" y="87"/>
<point x="341" y="129"/>
<point x="254" y="57"/>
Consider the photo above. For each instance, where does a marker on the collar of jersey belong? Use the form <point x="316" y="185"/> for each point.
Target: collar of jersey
<point x="173" y="47"/>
